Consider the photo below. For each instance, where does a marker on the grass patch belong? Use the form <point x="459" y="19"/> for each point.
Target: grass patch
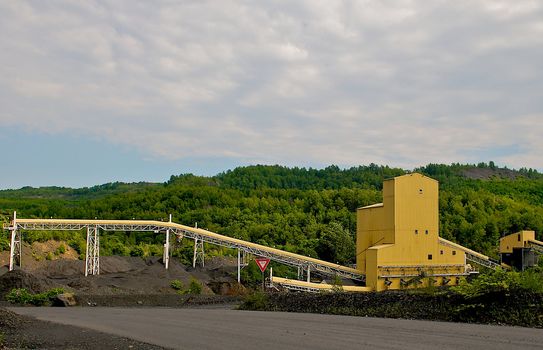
<point x="24" y="297"/>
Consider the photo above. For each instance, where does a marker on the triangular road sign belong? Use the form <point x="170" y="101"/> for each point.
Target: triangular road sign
<point x="262" y="263"/>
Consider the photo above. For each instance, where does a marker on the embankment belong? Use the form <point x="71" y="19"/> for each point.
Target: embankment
<point x="518" y="309"/>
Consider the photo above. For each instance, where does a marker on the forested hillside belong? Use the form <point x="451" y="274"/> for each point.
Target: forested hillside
<point x="307" y="211"/>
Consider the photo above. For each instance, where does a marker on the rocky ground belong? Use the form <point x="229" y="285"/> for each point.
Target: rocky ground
<point x="120" y="276"/>
<point x="123" y="281"/>
<point x="21" y="332"/>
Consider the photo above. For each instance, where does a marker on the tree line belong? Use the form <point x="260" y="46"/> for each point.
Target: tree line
<point x="306" y="211"/>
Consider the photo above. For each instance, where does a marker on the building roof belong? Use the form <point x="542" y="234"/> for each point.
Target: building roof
<point x="378" y="205"/>
<point x="412" y="174"/>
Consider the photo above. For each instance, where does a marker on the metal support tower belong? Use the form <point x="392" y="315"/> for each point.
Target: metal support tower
<point x="239" y="266"/>
<point x="166" y="256"/>
<point x="198" y="252"/>
<point x="242" y="262"/>
<point x="16" y="245"/>
<point x="92" y="257"/>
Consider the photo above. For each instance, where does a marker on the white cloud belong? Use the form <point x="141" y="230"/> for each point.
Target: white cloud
<point x="315" y="82"/>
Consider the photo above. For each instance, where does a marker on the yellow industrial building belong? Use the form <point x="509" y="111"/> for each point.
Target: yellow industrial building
<point x="520" y="250"/>
<point x="398" y="244"/>
<point x="397" y="241"/>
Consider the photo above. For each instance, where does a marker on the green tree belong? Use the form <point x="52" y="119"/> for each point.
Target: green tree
<point x="336" y="244"/>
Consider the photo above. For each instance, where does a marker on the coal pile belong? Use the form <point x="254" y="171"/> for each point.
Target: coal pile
<point x="126" y="281"/>
<point x="21" y="279"/>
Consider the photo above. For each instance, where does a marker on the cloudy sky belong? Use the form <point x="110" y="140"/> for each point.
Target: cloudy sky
<point x="99" y="91"/>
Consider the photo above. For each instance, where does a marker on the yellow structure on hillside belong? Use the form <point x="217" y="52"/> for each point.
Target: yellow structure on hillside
<point x="520" y="250"/>
<point x="521" y="239"/>
<point x="398" y="244"/>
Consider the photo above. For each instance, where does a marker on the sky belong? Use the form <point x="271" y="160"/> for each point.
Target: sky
<point x="101" y="91"/>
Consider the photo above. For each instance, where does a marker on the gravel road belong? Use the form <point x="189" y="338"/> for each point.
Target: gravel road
<point x="233" y="329"/>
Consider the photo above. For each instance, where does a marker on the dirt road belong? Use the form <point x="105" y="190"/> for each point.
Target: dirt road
<point x="232" y="329"/>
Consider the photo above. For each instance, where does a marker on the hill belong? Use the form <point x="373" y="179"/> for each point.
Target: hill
<point x="307" y="211"/>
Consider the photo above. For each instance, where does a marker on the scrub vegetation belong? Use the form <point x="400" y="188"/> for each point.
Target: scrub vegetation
<point x="22" y="296"/>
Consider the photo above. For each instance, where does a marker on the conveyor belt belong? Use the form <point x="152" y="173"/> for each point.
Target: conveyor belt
<point x="313" y="287"/>
<point x="288" y="258"/>
<point x="537" y="246"/>
<point x="473" y="256"/>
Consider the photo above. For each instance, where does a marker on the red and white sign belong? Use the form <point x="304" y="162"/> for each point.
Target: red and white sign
<point x="262" y="263"/>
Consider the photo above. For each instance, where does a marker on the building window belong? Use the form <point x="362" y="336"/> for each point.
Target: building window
<point x="518" y="238"/>
<point x="454" y="252"/>
<point x="441" y="252"/>
<point x="429" y="256"/>
<point x="416" y="232"/>
<point x="426" y="231"/>
<point x="420" y="190"/>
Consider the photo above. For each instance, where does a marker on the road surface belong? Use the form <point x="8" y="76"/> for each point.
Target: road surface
<point x="233" y="329"/>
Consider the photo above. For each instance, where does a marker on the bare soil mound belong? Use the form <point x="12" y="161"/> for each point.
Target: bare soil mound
<point x="36" y="254"/>
<point x="486" y="173"/>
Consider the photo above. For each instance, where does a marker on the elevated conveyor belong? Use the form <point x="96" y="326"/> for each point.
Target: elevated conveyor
<point x="473" y="256"/>
<point x="303" y="286"/>
<point x="304" y="262"/>
<point x="521" y="249"/>
<point x="536" y="245"/>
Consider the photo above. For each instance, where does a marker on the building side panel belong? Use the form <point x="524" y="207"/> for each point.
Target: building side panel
<point x="370" y="223"/>
<point x="515" y="240"/>
<point x="388" y="205"/>
<point x="416" y="219"/>
<point x="417" y="203"/>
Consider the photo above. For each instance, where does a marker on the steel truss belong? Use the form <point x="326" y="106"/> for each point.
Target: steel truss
<point x="299" y="261"/>
<point x="92" y="257"/>
<point x="482" y="262"/>
<point x="198" y="252"/>
<point x="287" y="260"/>
<point x="242" y="262"/>
<point x="536" y="247"/>
<point x="293" y="287"/>
<point x="399" y="271"/>
<point x="15" y="249"/>
<point x="474" y="258"/>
